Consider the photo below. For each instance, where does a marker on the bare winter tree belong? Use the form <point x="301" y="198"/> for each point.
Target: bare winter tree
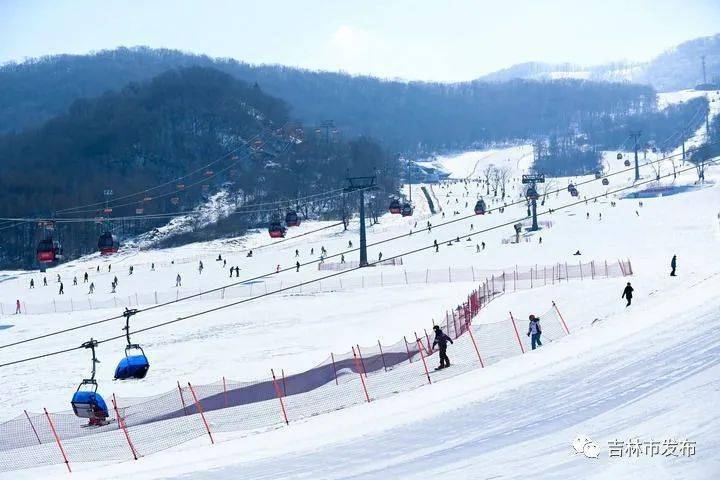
<point x="495" y="179"/>
<point x="487" y="174"/>
<point x="504" y="174"/>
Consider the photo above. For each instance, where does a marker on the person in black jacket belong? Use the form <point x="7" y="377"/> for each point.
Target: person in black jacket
<point x="441" y="342"/>
<point x="673" y="265"/>
<point x="628" y="294"/>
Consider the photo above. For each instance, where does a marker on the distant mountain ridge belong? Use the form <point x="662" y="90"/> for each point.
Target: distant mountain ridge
<point x="676" y="69"/>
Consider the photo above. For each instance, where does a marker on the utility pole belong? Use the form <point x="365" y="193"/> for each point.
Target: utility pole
<point x="636" y="136"/>
<point x="361" y="184"/>
<point x="702" y="58"/>
<point x="532" y="194"/>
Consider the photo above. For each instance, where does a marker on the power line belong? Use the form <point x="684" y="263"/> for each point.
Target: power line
<point x="390" y="239"/>
<point x="409" y="252"/>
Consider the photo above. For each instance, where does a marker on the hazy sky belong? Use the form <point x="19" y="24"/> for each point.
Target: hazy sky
<point x="412" y="39"/>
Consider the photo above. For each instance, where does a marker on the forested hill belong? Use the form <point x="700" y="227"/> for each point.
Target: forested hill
<point x="404" y="116"/>
<point x="215" y="132"/>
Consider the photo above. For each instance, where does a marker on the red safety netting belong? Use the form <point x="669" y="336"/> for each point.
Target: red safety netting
<point x="141" y="426"/>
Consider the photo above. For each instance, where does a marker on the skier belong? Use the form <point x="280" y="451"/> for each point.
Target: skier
<point x="628" y="294"/>
<point x="249" y="254"/>
<point x="98" y="268"/>
<point x="673" y="265"/>
<point x="113" y="285"/>
<point x="349" y="244"/>
<point x="44" y="281"/>
<point x="85" y="277"/>
<point x="441" y="341"/>
<point x="92" y="288"/>
<point x="342" y="258"/>
<point x="380" y="257"/>
<point x="534" y="332"/>
<point x="577" y="253"/>
<point x="109" y="267"/>
<point x="131" y="270"/>
<point x="17" y="306"/>
<point x="540" y="240"/>
<point x="312" y="251"/>
<point x="115" y="280"/>
<point x="483" y="245"/>
<point x="32" y="283"/>
<point x="477" y="248"/>
<point x="74" y="280"/>
<point x="224" y="263"/>
<point x="152" y="267"/>
<point x="277" y="269"/>
<point x="297" y="266"/>
<point x="437" y="247"/>
<point x="62" y="289"/>
<point x="237" y="271"/>
<point x="58" y="278"/>
<point x="200" y="267"/>
<point x="297" y="253"/>
<point x="178" y="281"/>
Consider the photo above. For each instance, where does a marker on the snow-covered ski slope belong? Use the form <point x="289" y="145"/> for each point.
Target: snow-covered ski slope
<point x="649" y="371"/>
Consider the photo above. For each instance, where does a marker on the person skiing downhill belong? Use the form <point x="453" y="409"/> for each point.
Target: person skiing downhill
<point x="534" y="332"/>
<point x="628" y="294"/>
<point x="673" y="265"/>
<point x="441" y="340"/>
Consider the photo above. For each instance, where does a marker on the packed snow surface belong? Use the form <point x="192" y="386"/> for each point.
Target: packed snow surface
<point x="649" y="371"/>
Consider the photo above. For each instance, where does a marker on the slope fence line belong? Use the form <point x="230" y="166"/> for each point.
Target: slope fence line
<point x="138" y="427"/>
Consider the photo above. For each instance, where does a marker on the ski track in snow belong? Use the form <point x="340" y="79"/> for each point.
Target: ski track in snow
<point x="649" y="371"/>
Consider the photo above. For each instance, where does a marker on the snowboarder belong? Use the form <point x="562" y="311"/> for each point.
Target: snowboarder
<point x="628" y="294"/>
<point x="32" y="283"/>
<point x="85" y="277"/>
<point x="178" y="281"/>
<point x="577" y="253"/>
<point x="441" y="341"/>
<point x="249" y="254"/>
<point x="534" y="332"/>
<point x="62" y="289"/>
<point x="297" y="266"/>
<point x="673" y="265"/>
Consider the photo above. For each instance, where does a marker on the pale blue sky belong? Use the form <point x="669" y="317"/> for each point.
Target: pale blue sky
<point x="420" y="39"/>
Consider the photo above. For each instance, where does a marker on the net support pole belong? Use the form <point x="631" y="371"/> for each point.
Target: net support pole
<point x="382" y="356"/>
<point x="57" y="439"/>
<point x="332" y="358"/>
<point x="472" y="337"/>
<point x="278" y="393"/>
<point x="182" y="399"/>
<point x="517" y="333"/>
<point x="362" y="360"/>
<point x="408" y="350"/>
<point x="562" y="320"/>
<point x="422" y="356"/>
<point x="121" y="424"/>
<point x="201" y="412"/>
<point x="360" y="371"/>
<point x="33" y="427"/>
<point x="225" y="392"/>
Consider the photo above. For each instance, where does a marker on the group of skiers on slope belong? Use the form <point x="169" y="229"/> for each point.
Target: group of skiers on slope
<point x="534" y="329"/>
<point x="442" y="339"/>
